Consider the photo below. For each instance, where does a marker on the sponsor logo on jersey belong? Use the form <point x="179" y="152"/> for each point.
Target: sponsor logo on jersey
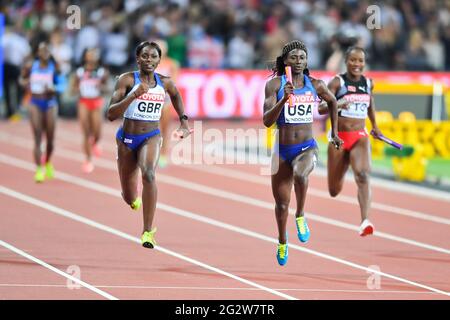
<point x="305" y="98"/>
<point x="364" y="97"/>
<point x="152" y="97"/>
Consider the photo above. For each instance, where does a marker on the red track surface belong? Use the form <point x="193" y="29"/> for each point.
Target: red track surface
<point x="239" y="237"/>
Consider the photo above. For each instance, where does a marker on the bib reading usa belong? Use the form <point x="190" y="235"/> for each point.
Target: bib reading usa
<point x="38" y="82"/>
<point x="302" y="109"/>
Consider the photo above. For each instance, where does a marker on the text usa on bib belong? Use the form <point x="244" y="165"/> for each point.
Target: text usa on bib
<point x="301" y="110"/>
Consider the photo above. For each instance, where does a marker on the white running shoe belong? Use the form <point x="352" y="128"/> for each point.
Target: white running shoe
<point x="366" y="228"/>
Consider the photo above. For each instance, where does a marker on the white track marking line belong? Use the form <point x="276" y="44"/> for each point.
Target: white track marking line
<point x="244" y="176"/>
<point x="107" y="164"/>
<point x="269" y="206"/>
<point x="97" y="225"/>
<point x="24" y="285"/>
<point x="56" y="270"/>
<point x="12" y="161"/>
<point x="188" y="214"/>
<point x="398" y="186"/>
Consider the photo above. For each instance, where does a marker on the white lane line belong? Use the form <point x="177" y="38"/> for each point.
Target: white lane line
<point x="97" y="225"/>
<point x="230" y="196"/>
<point x="244" y="176"/>
<point x="397" y="186"/>
<point x="190" y="215"/>
<point x="108" y="164"/>
<point x="24" y="285"/>
<point x="269" y="206"/>
<point x="52" y="268"/>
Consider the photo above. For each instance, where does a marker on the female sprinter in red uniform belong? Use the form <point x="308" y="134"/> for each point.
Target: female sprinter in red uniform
<point x="296" y="147"/>
<point x="90" y="82"/>
<point x="39" y="76"/>
<point x="139" y="97"/>
<point x="355" y="101"/>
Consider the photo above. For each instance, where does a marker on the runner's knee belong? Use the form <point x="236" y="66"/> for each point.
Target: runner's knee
<point x="282" y="206"/>
<point x="362" y="177"/>
<point x="300" y="178"/>
<point x="148" y="175"/>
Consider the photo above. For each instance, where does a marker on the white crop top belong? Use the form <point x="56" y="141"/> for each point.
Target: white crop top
<point x="148" y="106"/>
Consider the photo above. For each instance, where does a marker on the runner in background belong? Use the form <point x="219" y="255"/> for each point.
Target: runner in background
<point x="355" y="103"/>
<point x="90" y="82"/>
<point x="39" y="77"/>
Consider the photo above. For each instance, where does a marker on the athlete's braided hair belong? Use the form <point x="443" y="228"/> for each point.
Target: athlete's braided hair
<point x="278" y="67"/>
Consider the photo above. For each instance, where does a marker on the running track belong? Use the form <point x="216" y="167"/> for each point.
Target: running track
<point x="216" y="233"/>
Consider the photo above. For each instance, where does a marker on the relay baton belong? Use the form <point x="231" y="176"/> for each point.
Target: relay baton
<point x="388" y="141"/>
<point x="288" y="72"/>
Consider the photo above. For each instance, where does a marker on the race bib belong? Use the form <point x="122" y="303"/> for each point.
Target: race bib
<point x="89" y="88"/>
<point x="301" y="110"/>
<point x="148" y="107"/>
<point x="359" y="103"/>
<point x="298" y="113"/>
<point x="38" y="82"/>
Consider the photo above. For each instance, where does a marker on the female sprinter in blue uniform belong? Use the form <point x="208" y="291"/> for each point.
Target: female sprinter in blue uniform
<point x="354" y="94"/>
<point x="39" y="76"/>
<point x="139" y="97"/>
<point x="296" y="148"/>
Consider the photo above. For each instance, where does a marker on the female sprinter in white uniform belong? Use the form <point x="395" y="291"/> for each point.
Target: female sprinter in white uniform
<point x="139" y="97"/>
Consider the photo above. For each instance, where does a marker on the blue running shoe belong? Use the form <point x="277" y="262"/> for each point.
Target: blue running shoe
<point x="302" y="229"/>
<point x="282" y="254"/>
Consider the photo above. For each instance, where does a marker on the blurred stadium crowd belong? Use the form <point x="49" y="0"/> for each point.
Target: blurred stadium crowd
<point x="231" y="34"/>
<point x="241" y="34"/>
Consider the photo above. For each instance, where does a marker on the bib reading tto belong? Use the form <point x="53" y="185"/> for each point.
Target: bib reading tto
<point x="148" y="106"/>
<point x="304" y="100"/>
<point x="90" y="82"/>
<point x="358" y="93"/>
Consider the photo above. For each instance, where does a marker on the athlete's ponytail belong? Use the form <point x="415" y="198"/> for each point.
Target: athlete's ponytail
<point x="278" y="67"/>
